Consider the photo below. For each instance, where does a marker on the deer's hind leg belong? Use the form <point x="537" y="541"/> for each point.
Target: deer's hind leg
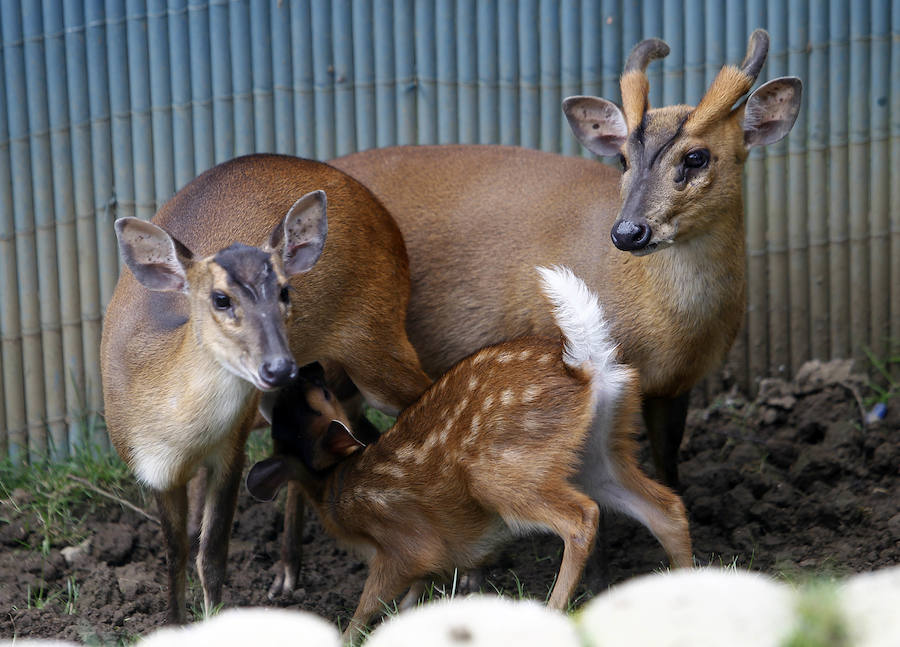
<point x="612" y="477"/>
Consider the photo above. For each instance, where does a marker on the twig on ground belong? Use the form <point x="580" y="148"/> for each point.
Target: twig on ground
<point x="115" y="498"/>
<point x="859" y="401"/>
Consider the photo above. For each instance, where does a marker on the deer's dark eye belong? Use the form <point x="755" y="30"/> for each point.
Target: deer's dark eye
<point x="221" y="301"/>
<point x="623" y="162"/>
<point x="285" y="294"/>
<point x="696" y="158"/>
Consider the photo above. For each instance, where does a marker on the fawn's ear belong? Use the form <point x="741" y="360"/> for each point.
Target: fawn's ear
<point x="267" y="477"/>
<point x="340" y="441"/>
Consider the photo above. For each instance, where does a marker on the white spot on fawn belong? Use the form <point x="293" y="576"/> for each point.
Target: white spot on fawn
<point x="460" y="407"/>
<point x="532" y="391"/>
<point x="389" y="469"/>
<point x="405" y="453"/>
<point x="507" y="397"/>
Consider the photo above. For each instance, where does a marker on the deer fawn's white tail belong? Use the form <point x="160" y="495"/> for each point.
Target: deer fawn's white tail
<point x="588" y="345"/>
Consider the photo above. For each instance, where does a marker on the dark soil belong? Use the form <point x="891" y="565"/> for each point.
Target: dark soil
<point x="793" y="483"/>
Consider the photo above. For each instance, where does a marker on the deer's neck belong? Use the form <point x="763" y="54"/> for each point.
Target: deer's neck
<point x="694" y="280"/>
<point x="681" y="323"/>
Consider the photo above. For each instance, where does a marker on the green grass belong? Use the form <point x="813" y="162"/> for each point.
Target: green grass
<point x="884" y="386"/>
<point x="820" y="622"/>
<point x="49" y="498"/>
<point x="382" y="421"/>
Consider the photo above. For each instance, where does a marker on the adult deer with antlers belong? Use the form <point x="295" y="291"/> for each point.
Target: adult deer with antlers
<point x="476" y="219"/>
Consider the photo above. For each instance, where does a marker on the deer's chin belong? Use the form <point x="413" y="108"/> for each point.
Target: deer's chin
<point x="655" y="246"/>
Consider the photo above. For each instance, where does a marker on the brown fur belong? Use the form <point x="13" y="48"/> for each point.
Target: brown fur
<point x="158" y="377"/>
<point x="494" y="444"/>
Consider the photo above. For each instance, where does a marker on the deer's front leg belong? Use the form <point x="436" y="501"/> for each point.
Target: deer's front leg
<point x="665" y="419"/>
<point x="288" y="568"/>
<point x="173" y="512"/>
<point x="218" y="516"/>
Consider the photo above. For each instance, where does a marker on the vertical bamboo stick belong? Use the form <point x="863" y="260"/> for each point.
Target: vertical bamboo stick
<point x="550" y="115"/>
<point x="302" y="65"/>
<point x="345" y="127"/>
<point x="467" y="71"/>
<point x="14" y="422"/>
<point x="241" y="76"/>
<point x="736" y="25"/>
<point x="26" y="247"/>
<point x="858" y="177"/>
<point x="387" y="80"/>
<point x="673" y="64"/>
<point x="141" y="129"/>
<point x="632" y="28"/>
<point x="798" y="238"/>
<point x="261" y="62"/>
<point x="715" y="37"/>
<point x="776" y="209"/>
<point x="694" y="52"/>
<point x="611" y="49"/>
<point x="815" y="98"/>
<point x="879" y="178"/>
<point x="755" y="214"/>
<point x="222" y="90"/>
<point x="838" y="203"/>
<point x="405" y="61"/>
<point x="280" y="13"/>
<point x="161" y="100"/>
<point x="40" y="184"/>
<point x="447" y="95"/>
<point x="201" y="86"/>
<point x="71" y="361"/>
<point x="182" y="114"/>
<point x="86" y="233"/>
<point x="426" y="69"/>
<point x="570" y="66"/>
<point x="488" y="86"/>
<point x="653" y="28"/>
<point x="323" y="79"/>
<point x="529" y="75"/>
<point x="366" y="55"/>
<point x="508" y="69"/>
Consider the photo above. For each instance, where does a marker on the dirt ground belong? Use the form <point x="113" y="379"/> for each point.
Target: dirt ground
<point x="793" y="483"/>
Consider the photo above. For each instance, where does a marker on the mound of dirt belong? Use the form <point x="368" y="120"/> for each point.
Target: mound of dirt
<point x="793" y="482"/>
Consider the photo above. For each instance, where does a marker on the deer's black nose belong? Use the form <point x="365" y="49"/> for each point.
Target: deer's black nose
<point x="278" y="371"/>
<point x="629" y="235"/>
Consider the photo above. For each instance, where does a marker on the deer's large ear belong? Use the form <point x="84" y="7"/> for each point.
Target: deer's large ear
<point x="266" y="477"/>
<point x="300" y="237"/>
<point x="157" y="260"/>
<point x="340" y="441"/>
<point x="770" y="112"/>
<point x="597" y="123"/>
